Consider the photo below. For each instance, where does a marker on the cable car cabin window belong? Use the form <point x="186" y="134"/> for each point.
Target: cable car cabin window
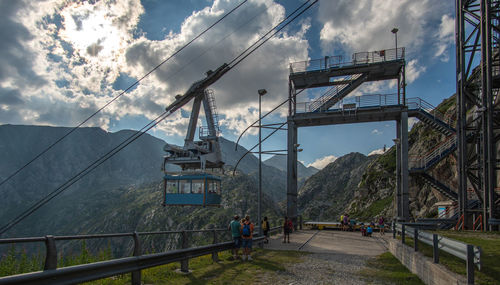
<point x="198" y="187"/>
<point x="214" y="187"/>
<point x="172" y="187"/>
<point x="185" y="186"/>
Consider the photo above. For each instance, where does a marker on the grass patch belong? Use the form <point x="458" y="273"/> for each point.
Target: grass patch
<point x="374" y="209"/>
<point x="490" y="256"/>
<point x="265" y="265"/>
<point x="387" y="269"/>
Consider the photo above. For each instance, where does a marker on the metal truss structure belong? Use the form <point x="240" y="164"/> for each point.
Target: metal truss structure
<point x="478" y="106"/>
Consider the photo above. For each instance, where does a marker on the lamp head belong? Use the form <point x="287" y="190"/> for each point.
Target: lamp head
<point x="262" y="92"/>
<point x="395" y="30"/>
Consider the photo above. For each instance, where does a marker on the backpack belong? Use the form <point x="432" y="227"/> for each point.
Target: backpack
<point x="246" y="230"/>
<point x="265" y="226"/>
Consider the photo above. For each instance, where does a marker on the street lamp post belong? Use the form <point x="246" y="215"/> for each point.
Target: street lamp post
<point x="261" y="92"/>
<point x="395" y="32"/>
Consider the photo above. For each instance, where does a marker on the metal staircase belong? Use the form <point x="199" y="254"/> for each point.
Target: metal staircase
<point x="430" y="115"/>
<point x="434" y="156"/>
<point x="442" y="188"/>
<point x="338" y="92"/>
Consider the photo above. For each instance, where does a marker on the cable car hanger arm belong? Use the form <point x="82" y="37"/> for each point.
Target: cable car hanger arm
<point x="198" y="87"/>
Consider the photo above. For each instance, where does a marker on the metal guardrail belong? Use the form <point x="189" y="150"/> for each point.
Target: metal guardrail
<point x="98" y="270"/>
<point x="359" y="58"/>
<point x="354" y="103"/>
<point x="470" y="253"/>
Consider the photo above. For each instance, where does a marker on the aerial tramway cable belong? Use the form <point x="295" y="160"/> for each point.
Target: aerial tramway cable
<point x="147" y="127"/>
<point x="119" y="95"/>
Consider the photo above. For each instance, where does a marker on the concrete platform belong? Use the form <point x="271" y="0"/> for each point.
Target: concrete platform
<point x="329" y="241"/>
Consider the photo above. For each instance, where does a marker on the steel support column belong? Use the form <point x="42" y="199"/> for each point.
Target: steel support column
<point x="404" y="167"/>
<point x="398" y="171"/>
<point x="291" y="189"/>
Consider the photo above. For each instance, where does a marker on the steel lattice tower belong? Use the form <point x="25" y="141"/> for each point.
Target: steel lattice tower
<point x="478" y="106"/>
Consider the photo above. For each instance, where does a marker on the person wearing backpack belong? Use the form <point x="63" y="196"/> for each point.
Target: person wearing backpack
<point x="234" y="227"/>
<point x="246" y="237"/>
<point x="287" y="229"/>
<point x="265" y="229"/>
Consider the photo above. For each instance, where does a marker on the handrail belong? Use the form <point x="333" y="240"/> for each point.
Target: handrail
<point x="363" y="101"/>
<point x="334" y="91"/>
<point x="98" y="270"/>
<point x="421" y="161"/>
<point x="480" y="220"/>
<point x="460" y="223"/>
<point x="470" y="253"/>
<point x="359" y="58"/>
<point x="420" y="104"/>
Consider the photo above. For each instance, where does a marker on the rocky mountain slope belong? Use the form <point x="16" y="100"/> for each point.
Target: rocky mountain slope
<point x="280" y="162"/>
<point x="106" y="196"/>
<point x="326" y="193"/>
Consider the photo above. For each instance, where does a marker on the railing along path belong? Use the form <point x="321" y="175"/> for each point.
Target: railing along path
<point x="469" y="253"/>
<point x="134" y="264"/>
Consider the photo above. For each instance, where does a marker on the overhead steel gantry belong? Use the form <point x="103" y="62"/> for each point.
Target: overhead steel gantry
<point x="330" y="109"/>
<point x="478" y="105"/>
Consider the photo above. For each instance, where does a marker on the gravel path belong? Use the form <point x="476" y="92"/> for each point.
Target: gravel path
<point x="324" y="268"/>
<point x="335" y="258"/>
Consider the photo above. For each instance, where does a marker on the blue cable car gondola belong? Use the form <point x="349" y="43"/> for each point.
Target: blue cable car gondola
<point x="194" y="189"/>
<point x="194" y="186"/>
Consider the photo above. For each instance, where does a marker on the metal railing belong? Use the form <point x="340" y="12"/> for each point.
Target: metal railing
<point x="423" y="161"/>
<point x="420" y="104"/>
<point x="355" y="102"/>
<point x="359" y="58"/>
<point x="332" y="92"/>
<point x="134" y="264"/>
<point x="470" y="253"/>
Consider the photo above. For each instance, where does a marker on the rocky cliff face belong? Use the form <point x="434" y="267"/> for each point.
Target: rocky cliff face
<point x="375" y="194"/>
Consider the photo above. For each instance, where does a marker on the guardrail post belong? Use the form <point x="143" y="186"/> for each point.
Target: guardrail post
<point x="435" y="248"/>
<point x="184" y="262"/>
<point x="394" y="231"/>
<point x="50" y="254"/>
<point x="470" y="264"/>
<point x="403" y="234"/>
<point x="215" y="255"/>
<point x="415" y="239"/>
<point x="136" y="275"/>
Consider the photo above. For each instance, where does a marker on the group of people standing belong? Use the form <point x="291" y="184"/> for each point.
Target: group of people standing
<point x="242" y="233"/>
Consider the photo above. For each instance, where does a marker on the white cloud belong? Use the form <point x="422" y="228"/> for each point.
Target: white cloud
<point x="413" y="70"/>
<point x="377" y="151"/>
<point x="411" y="122"/>
<point x="445" y="37"/>
<point x="377" y="132"/>
<point x="320" y="163"/>
<point x="355" y="26"/>
<point x="66" y="56"/>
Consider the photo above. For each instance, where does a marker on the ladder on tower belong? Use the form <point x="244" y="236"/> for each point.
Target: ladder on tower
<point x="204" y="131"/>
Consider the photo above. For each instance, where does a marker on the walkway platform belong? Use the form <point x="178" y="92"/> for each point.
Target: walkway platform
<point x="332" y="242"/>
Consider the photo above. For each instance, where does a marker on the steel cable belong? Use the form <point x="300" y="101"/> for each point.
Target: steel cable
<point x="119" y="95"/>
<point x="133" y="137"/>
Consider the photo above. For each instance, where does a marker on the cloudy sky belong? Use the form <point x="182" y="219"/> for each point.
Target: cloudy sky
<point x="60" y="61"/>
